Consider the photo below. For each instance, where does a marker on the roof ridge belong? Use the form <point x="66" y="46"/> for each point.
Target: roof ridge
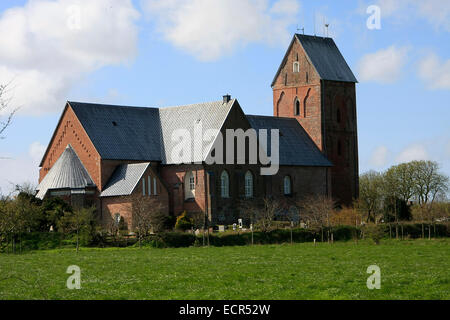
<point x="197" y="104"/>
<point x="109" y="105"/>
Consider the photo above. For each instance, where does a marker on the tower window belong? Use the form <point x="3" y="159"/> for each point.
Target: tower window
<point x="339" y="148"/>
<point x="338" y="115"/>
<point x="305" y="104"/>
<point x="296" y="67"/>
<point x="297" y="107"/>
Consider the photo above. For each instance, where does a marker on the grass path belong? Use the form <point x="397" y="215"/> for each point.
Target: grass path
<point x="416" y="269"/>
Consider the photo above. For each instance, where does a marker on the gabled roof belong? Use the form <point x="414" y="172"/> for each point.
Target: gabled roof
<point x="324" y="56"/>
<point x="296" y="147"/>
<point x="211" y="115"/>
<point x="145" y="134"/>
<point x="121" y="132"/>
<point x="124" y="179"/>
<point x="67" y="173"/>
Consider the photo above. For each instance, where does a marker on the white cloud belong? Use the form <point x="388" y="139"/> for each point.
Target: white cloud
<point x="379" y="157"/>
<point x="413" y="152"/>
<point x="20" y="168"/>
<point x="435" y="72"/>
<point x="37" y="151"/>
<point x="49" y="45"/>
<point x="209" y="29"/>
<point x="436" y="12"/>
<point x="383" y="66"/>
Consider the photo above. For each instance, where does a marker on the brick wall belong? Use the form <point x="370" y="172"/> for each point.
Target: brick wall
<point x="302" y="86"/>
<point x="70" y="131"/>
<point x="123" y="205"/>
<point x="333" y="131"/>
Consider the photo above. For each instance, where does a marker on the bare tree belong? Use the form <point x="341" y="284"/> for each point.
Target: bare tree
<point x="148" y="215"/>
<point x="265" y="217"/>
<point x="249" y="208"/>
<point x="318" y="209"/>
<point x="5" y="102"/>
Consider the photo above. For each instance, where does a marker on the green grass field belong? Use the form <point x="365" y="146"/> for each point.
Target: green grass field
<point x="416" y="269"/>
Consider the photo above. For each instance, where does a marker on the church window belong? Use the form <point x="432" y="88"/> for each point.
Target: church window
<point x="149" y="185"/>
<point x="189" y="183"/>
<point x="143" y="186"/>
<point x="155" y="191"/>
<point x="287" y="185"/>
<point x="117" y="218"/>
<point x="339" y="148"/>
<point x="338" y="115"/>
<point x="248" y="184"/>
<point x="296" y="67"/>
<point x="224" y="185"/>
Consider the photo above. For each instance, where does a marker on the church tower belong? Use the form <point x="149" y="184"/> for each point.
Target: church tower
<point x="315" y="85"/>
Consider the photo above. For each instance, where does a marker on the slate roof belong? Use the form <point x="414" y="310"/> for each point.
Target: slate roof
<point x="296" y="147"/>
<point x="121" y="132"/>
<point x="325" y="57"/>
<point x="67" y="173"/>
<point x="124" y="179"/>
<point x="211" y="115"/>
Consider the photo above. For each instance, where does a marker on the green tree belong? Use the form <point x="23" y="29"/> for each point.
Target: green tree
<point x="371" y="194"/>
<point x="78" y="221"/>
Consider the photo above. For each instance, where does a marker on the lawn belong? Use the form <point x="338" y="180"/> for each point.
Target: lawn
<point x="411" y="269"/>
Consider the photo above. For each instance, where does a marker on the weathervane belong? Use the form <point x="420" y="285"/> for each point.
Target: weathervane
<point x="326" y="26"/>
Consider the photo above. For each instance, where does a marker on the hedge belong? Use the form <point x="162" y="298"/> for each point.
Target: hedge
<point x="46" y="240"/>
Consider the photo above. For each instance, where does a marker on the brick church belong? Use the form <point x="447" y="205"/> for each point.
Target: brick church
<point x="102" y="155"/>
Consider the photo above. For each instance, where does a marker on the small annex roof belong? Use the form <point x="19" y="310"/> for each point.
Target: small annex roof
<point x="124" y="179"/>
<point x="296" y="147"/>
<point x="325" y="57"/>
<point x="67" y="173"/>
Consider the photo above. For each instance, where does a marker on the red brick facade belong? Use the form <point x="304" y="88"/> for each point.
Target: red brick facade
<point x="327" y="111"/>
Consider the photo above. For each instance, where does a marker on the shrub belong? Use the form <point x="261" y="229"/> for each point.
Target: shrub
<point x="183" y="222"/>
<point x="375" y="232"/>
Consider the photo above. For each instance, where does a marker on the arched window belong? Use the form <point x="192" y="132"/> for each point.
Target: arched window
<point x="279" y="102"/>
<point x="117" y="218"/>
<point x="305" y="103"/>
<point x="297" y="107"/>
<point x="248" y="184"/>
<point x="338" y="115"/>
<point x="287" y="185"/>
<point x="296" y="67"/>
<point x="189" y="185"/>
<point x="224" y="185"/>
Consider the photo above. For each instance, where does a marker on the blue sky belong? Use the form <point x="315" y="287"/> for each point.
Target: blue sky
<point x="172" y="52"/>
